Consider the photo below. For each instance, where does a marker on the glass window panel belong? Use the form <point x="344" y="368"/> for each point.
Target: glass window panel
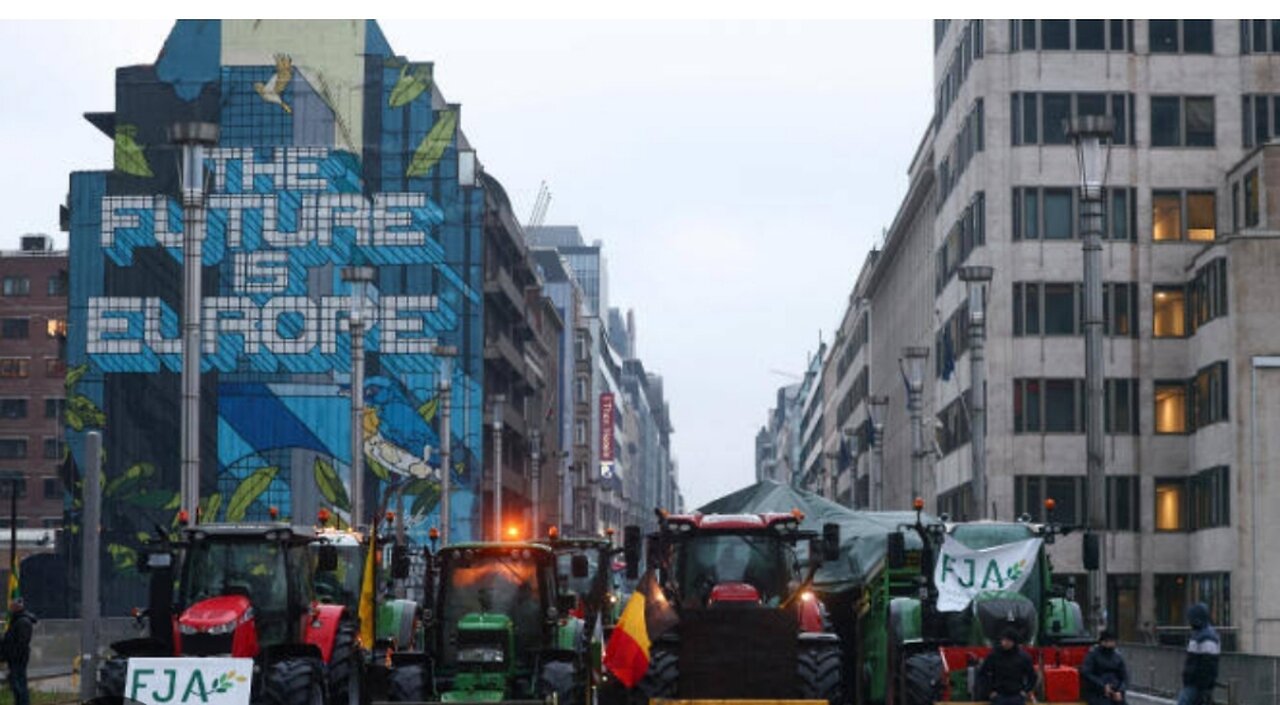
<point x="1060" y="405"/>
<point x="1119" y="214"/>
<point x="1170" y="505"/>
<point x="1057" y="108"/>
<point x="1028" y="34"/>
<point x="1260" y="35"/>
<point x="1169" y="316"/>
<point x="1163" y="35"/>
<point x="1065" y="492"/>
<point x="1197" y="36"/>
<point x="1166" y="121"/>
<point x="1171" y="600"/>
<point x="1030" y="120"/>
<point x="1166" y="216"/>
<point x="1033" y="403"/>
<point x="1032" y="293"/>
<point x="1201" y="216"/>
<point x="1059" y="309"/>
<point x="1119" y="111"/>
<point x="1275" y="114"/>
<point x="1030" y="214"/>
<point x="1117" y="35"/>
<point x="1251" y="213"/>
<point x="1235" y="207"/>
<point x="1091" y="34"/>
<point x="1260" y="121"/>
<point x="1275" y="35"/>
<point x="1057" y="214"/>
<point x="1200" y="121"/>
<point x="1091" y="104"/>
<point x="1171" y="407"/>
<point x="1055" y="34"/>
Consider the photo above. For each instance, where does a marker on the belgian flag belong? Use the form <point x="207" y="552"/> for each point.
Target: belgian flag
<point x="646" y="616"/>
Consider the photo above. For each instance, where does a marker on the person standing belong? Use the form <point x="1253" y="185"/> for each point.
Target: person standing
<point x="1104" y="677"/>
<point x="16" y="647"/>
<point x="1200" y="669"/>
<point x="1007" y="673"/>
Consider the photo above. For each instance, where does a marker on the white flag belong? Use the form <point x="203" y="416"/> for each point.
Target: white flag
<point x="962" y="572"/>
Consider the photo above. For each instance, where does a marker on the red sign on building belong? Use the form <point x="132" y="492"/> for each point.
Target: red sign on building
<point x="606" y="428"/>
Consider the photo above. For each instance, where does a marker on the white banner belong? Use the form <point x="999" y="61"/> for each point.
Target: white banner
<point x="189" y="681"/>
<point x="961" y="572"/>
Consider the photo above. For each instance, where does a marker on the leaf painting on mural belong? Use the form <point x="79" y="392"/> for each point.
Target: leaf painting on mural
<point x="413" y="81"/>
<point x="273" y="90"/>
<point x="432" y="147"/>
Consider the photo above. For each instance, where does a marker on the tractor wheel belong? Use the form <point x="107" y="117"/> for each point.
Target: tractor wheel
<point x="298" y="681"/>
<point x="561" y="678"/>
<point x="820" y="672"/>
<point x="663" y="676"/>
<point x="923" y="679"/>
<point x="344" y="667"/>
<point x="111" y="675"/>
<point x="407" y="684"/>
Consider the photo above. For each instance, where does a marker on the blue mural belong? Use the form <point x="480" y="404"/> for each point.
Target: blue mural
<point x="332" y="151"/>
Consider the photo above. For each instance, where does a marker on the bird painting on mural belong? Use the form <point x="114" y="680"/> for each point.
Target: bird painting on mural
<point x="273" y="90"/>
<point x="399" y="429"/>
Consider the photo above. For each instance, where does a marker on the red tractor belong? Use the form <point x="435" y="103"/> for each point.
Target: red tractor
<point x="246" y="591"/>
<point x="744" y="608"/>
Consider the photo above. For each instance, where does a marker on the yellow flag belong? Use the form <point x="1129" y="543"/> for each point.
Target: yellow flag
<point x="367" y="584"/>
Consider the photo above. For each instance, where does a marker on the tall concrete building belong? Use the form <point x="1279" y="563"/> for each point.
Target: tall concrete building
<point x="1189" y="261"/>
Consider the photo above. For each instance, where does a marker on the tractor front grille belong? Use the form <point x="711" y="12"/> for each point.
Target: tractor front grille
<point x="206" y="644"/>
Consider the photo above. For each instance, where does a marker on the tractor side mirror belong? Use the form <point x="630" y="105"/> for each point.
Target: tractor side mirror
<point x="156" y="559"/>
<point x="1092" y="552"/>
<point x="830" y="541"/>
<point x="399" y="562"/>
<point x="579" y="566"/>
<point x="327" y="559"/>
<point x="631" y="550"/>
<point x="896" y="550"/>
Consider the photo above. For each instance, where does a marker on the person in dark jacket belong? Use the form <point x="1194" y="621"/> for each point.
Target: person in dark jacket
<point x="1104" y="677"/>
<point x="1200" y="669"/>
<point x="1007" y="673"/>
<point x="16" y="648"/>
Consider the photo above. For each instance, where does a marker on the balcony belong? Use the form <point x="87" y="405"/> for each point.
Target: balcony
<point x="501" y="288"/>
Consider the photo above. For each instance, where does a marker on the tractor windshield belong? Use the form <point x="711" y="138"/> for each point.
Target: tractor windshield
<point x="255" y="569"/>
<point x="582" y="587"/>
<point x="703" y="561"/>
<point x="495" y="583"/>
<point x="341" y="586"/>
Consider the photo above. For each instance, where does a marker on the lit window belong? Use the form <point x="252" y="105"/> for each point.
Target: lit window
<point x="1171" y="407"/>
<point x="56" y="327"/>
<point x="1170" y="315"/>
<point x="1201" y="220"/>
<point x="1166" y="216"/>
<point x="1170" y="505"/>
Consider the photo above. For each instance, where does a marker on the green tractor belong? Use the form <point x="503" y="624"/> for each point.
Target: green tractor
<point x="500" y="630"/>
<point x="397" y="624"/>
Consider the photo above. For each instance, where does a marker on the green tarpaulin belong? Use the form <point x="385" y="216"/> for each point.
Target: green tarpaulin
<point x="862" y="534"/>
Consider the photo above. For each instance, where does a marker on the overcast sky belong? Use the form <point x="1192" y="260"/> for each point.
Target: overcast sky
<point x="737" y="172"/>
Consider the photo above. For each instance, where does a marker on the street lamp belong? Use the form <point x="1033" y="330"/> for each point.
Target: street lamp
<point x="193" y="137"/>
<point x="359" y="276"/>
<point x="976" y="277"/>
<point x="1091" y="135"/>
<point x="446" y="353"/>
<point x="914" y="357"/>
<point x="876" y="405"/>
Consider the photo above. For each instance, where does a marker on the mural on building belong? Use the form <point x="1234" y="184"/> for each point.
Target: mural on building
<point x="332" y="151"/>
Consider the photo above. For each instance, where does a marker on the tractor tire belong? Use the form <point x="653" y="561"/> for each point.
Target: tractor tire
<point x="343" y="675"/>
<point x="561" y="678"/>
<point x="819" y="670"/>
<point x="407" y="684"/>
<point x="296" y="681"/>
<point x="662" y="680"/>
<point x="111" y="675"/>
<point x="923" y="679"/>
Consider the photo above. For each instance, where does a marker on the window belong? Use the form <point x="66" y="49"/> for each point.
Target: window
<point x="1083" y="35"/>
<point x="13" y="448"/>
<point x="1122" y="503"/>
<point x="1260" y="116"/>
<point x="580" y="432"/>
<point x="1185" y="36"/>
<point x="1091" y="35"/>
<point x="1057" y="308"/>
<point x="1214" y="590"/>
<point x="1048" y="406"/>
<point x="17" y="286"/>
<point x="1182" y="121"/>
<point x="968" y="50"/>
<point x="14" y="328"/>
<point x="13" y="408"/>
<point x="581" y="390"/>
<point x="1055" y="34"/>
<point x="55" y="327"/>
<point x="953" y="424"/>
<point x="1251" y="211"/>
<point x="53" y="367"/>
<point x="1210" y="402"/>
<point x="1259" y="36"/>
<point x="1171" y="406"/>
<point x="1170" y="314"/>
<point x="966" y="234"/>
<point x="13" y="367"/>
<point x="1037" y="117"/>
<point x="1068" y="492"/>
<point x="6" y="489"/>
<point x="1119" y="309"/>
<point x="1051" y="214"/>
<point x="1171" y="210"/>
<point x="1123" y="590"/>
<point x="580" y="345"/>
<point x="955" y="502"/>
<point x="1171" y="509"/>
<point x="968" y="142"/>
<point x="1235" y="207"/>
<point x="1120" y="406"/>
<point x="53" y="449"/>
<point x="1060" y="309"/>
<point x="58" y="284"/>
<point x="52" y="488"/>
<point x="1207" y="294"/>
<point x="1171" y="599"/>
<point x="1211" y="498"/>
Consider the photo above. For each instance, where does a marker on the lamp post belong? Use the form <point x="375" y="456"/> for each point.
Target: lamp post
<point x="359" y="276"/>
<point x="876" y="405"/>
<point x="976" y="277"/>
<point x="193" y="138"/>
<point x="498" y="400"/>
<point x="1091" y="135"/>
<point x="914" y="357"/>
<point x="446" y="353"/>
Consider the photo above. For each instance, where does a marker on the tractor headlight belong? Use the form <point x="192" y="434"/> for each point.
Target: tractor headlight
<point x="480" y="654"/>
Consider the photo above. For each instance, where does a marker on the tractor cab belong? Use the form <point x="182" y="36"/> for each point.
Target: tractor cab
<point x="584" y="571"/>
<point x="340" y="586"/>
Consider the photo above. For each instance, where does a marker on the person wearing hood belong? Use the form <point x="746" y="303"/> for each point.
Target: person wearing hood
<point x="1104" y="677"/>
<point x="1007" y="673"/>
<point x="16" y="647"/>
<point x="1200" y="669"/>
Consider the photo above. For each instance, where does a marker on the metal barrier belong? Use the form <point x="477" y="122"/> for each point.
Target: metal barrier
<point x="55" y="643"/>
<point x="1243" y="679"/>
